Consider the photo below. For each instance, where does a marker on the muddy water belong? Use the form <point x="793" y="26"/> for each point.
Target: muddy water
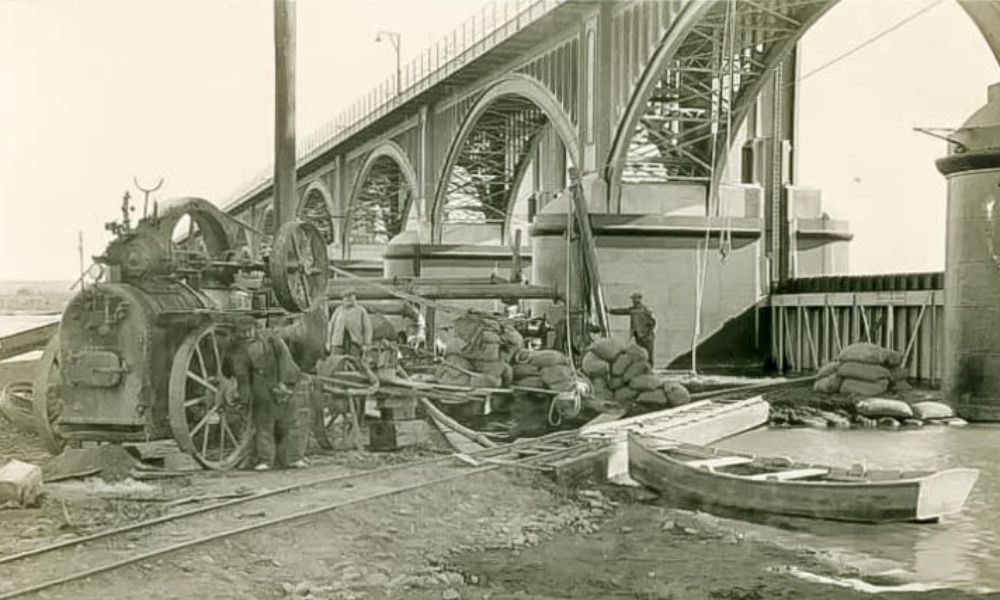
<point x="963" y="551"/>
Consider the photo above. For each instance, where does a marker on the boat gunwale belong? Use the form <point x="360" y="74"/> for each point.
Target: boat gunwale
<point x="865" y="483"/>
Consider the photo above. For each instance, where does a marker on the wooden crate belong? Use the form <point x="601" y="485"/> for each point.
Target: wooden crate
<point x="387" y="436"/>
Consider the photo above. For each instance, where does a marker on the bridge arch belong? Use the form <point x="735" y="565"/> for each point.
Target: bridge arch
<point x="670" y="138"/>
<point x="702" y="69"/>
<point x="316" y="206"/>
<point x="508" y="117"/>
<point x="382" y="198"/>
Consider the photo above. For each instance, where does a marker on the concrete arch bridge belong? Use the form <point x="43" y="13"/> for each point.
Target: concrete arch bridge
<point x="677" y="115"/>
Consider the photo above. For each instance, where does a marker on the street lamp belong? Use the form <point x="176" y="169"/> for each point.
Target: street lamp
<point x="395" y="38"/>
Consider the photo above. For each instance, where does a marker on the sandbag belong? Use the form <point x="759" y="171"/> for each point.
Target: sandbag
<point x="625" y="395"/>
<point x="531" y="382"/>
<point x="606" y="349"/>
<point x="498" y="369"/>
<point x="884" y="407"/>
<point x="654" y="397"/>
<point x="595" y="367"/>
<point x="548" y="358"/>
<point x="382" y="327"/>
<point x="637" y="352"/>
<point x="522" y="370"/>
<point x="677" y="394"/>
<point x="511" y="338"/>
<point x="862" y="371"/>
<point x="599" y="385"/>
<point x="451" y="376"/>
<point x="621" y="364"/>
<point x="899" y="373"/>
<point x="600" y="401"/>
<point x="483" y="351"/>
<point x="642" y="383"/>
<point x="616" y="383"/>
<point x="929" y="410"/>
<point x="864" y="352"/>
<point x="828" y="369"/>
<point x="484" y="380"/>
<point x="562" y="385"/>
<point x="864" y="388"/>
<point x="828" y="385"/>
<point x="557" y="375"/>
<point x="639" y="367"/>
<point x="901" y="386"/>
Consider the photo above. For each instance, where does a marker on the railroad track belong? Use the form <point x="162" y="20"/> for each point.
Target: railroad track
<point x="58" y="564"/>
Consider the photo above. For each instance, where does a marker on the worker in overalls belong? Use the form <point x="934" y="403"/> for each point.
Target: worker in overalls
<point x="641" y="323"/>
<point x="305" y="335"/>
<point x="266" y="373"/>
<point x="350" y="328"/>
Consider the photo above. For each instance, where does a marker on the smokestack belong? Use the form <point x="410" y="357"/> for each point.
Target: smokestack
<point x="284" y="112"/>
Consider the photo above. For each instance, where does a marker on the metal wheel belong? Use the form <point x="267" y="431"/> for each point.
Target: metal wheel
<point x="207" y="417"/>
<point x="299" y="266"/>
<point x="331" y="412"/>
<point x="46" y="399"/>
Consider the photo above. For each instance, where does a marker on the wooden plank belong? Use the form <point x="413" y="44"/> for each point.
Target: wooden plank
<point x="789" y="475"/>
<point x="28" y="340"/>
<point x="719" y="462"/>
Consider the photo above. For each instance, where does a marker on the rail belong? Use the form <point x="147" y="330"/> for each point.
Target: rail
<point x="521" y="453"/>
<point x="497" y="21"/>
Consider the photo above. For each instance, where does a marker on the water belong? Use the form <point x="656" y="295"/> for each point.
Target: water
<point x="963" y="550"/>
<point x="13" y="323"/>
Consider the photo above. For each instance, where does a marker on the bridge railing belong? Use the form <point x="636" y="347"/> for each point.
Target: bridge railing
<point x="497" y="21"/>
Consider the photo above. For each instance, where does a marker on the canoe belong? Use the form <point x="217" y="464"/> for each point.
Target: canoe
<point x="716" y="477"/>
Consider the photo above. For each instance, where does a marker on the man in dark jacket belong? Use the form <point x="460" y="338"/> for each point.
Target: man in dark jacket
<point x="266" y="373"/>
<point x="641" y="324"/>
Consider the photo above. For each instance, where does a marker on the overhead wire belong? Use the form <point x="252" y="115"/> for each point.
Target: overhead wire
<point x="866" y="43"/>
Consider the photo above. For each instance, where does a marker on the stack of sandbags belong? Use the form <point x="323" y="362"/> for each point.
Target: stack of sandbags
<point x="621" y="374"/>
<point x="543" y="369"/>
<point x="865" y="370"/>
<point x="477" y="352"/>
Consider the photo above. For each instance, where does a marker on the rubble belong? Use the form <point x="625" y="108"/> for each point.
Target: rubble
<point x="20" y="483"/>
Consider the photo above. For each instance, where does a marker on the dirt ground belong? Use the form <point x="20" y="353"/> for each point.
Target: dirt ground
<point x="505" y="534"/>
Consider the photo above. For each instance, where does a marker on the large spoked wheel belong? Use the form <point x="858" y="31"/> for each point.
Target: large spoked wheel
<point x="331" y="414"/>
<point x="46" y="398"/>
<point x="299" y="266"/>
<point x="207" y="418"/>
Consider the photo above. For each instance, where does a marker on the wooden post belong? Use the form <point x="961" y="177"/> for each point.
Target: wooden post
<point x="826" y="331"/>
<point x="284" y="112"/>
<point x="799" y="350"/>
<point x="589" y="251"/>
<point x="933" y="348"/>
<point x="781" y="339"/>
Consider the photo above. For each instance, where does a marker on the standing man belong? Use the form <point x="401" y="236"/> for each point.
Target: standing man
<point x="266" y="374"/>
<point x="641" y="323"/>
<point x="350" y="329"/>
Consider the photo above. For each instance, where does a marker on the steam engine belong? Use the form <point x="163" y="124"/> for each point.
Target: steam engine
<point x="141" y="355"/>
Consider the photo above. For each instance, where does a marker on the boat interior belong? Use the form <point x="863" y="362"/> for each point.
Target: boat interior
<point x="779" y="468"/>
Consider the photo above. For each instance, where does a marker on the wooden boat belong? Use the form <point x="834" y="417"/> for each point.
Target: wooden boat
<point x="702" y="422"/>
<point x="715" y="477"/>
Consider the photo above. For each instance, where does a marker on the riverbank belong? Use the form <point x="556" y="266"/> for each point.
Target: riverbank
<point x="499" y="535"/>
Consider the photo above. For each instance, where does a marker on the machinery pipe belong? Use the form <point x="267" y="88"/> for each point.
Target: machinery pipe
<point x="443" y="291"/>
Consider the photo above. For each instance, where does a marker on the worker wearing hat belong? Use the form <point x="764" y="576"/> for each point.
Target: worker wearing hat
<point x="266" y="375"/>
<point x="641" y="323"/>
<point x="350" y="328"/>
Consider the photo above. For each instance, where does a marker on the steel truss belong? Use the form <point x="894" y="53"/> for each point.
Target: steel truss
<point x="482" y="185"/>
<point x="379" y="212"/>
<point x="684" y="131"/>
<point x="315" y="211"/>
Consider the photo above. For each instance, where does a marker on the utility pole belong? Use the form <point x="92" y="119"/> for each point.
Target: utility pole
<point x="284" y="111"/>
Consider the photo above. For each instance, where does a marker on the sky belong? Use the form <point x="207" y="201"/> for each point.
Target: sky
<point x="97" y="92"/>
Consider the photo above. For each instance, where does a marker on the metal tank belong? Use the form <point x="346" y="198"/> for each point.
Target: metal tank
<point x="971" y="377"/>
